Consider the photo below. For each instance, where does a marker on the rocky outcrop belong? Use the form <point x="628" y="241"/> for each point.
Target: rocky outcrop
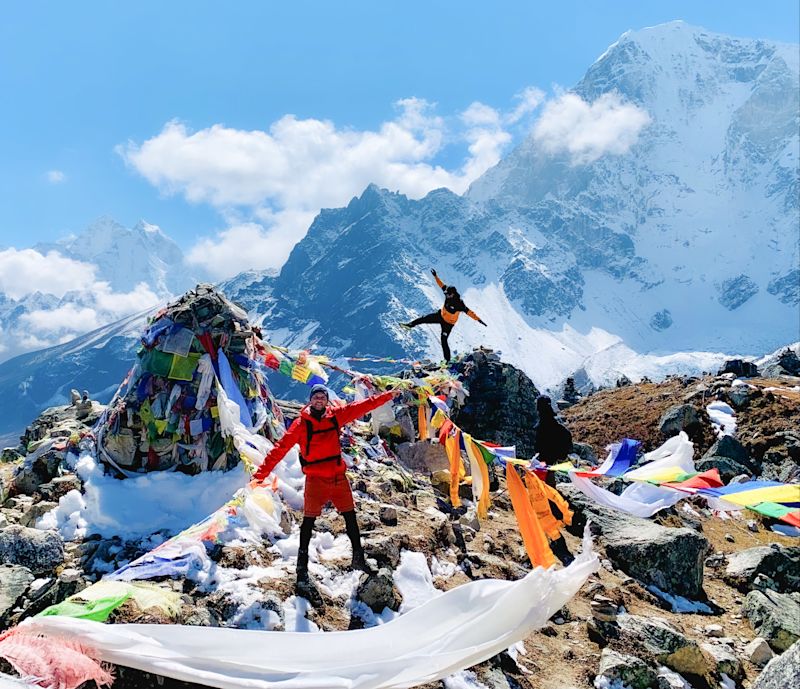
<point x="668" y="558"/>
<point x="501" y="406"/>
<point x="775" y="616"/>
<point x="778" y="564"/>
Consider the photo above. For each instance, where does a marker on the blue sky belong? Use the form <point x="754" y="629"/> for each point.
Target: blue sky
<point x="81" y="80"/>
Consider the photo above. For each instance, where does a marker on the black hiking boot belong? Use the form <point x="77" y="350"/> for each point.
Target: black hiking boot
<point x="305" y="588"/>
<point x="360" y="563"/>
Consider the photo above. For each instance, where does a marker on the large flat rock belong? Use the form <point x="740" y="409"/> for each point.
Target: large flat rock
<point x="669" y="558"/>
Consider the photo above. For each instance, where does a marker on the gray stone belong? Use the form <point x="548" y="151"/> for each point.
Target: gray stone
<point x="728" y="446"/>
<point x="775" y="616"/>
<point x="681" y="417"/>
<point x="385" y="550"/>
<point x="585" y="452"/>
<point x="781" y="672"/>
<point x="739" y="396"/>
<point x="727" y="467"/>
<point x="388" y="515"/>
<point x="781" y="564"/>
<point x="38" y="467"/>
<point x="14" y="582"/>
<point x="35" y="511"/>
<point x="59" y="487"/>
<point x="39" y="551"/>
<point x="423" y="457"/>
<point x="669" y="558"/>
<point x="713" y="630"/>
<point x="666" y="643"/>
<point x="758" y="652"/>
<point x="378" y="591"/>
<point x="633" y="672"/>
<point x="724" y="660"/>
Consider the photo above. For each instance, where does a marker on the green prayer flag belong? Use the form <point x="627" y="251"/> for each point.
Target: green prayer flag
<point x="183" y="367"/>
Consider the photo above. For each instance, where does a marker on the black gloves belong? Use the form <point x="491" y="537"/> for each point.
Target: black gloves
<point x="433" y="272"/>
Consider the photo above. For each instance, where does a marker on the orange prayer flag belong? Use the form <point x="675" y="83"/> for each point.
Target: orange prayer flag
<point x="422" y="421"/>
<point x="533" y="536"/>
<point x="454" y="455"/>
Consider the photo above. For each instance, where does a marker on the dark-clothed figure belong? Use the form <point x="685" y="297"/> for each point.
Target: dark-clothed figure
<point x="553" y="442"/>
<point x="316" y="431"/>
<point x="447" y="316"/>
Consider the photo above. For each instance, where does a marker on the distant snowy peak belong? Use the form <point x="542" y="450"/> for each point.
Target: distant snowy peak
<point x="125" y="257"/>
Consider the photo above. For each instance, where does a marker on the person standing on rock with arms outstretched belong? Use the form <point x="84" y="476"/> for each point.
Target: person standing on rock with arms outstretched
<point x="316" y="431"/>
<point x="447" y="316"/>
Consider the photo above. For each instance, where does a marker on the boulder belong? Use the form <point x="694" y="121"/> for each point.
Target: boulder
<point x="39" y="551"/>
<point x="378" y="591"/>
<point x="739" y="396"/>
<point x="724" y="660"/>
<point x="758" y="652"/>
<point x="681" y="417"/>
<point x="728" y="468"/>
<point x="781" y="672"/>
<point x="423" y="457"/>
<point x="728" y="446"/>
<point x="780" y="564"/>
<point x="670" y="558"/>
<point x="666" y="643"/>
<point x="631" y="671"/>
<point x="14" y="582"/>
<point x="739" y="368"/>
<point x="774" y="616"/>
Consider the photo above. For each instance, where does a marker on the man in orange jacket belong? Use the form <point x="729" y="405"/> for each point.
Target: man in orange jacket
<point x="447" y="316"/>
<point x="316" y="431"/>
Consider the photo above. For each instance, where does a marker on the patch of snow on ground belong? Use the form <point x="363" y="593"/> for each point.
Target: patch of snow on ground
<point x="672" y="679"/>
<point x="679" y="603"/>
<point x="136" y="507"/>
<point x="463" y="680"/>
<point x="723" y="418"/>
<point x="295" y="610"/>
<point x="414" y="581"/>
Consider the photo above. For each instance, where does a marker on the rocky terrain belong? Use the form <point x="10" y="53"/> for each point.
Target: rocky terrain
<point x="687" y="598"/>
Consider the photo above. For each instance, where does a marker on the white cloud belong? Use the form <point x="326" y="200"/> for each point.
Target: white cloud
<point x="529" y="99"/>
<point x="25" y="271"/>
<point x="118" y="304"/>
<point x="270" y="184"/>
<point x="67" y="317"/>
<point x="55" y="176"/>
<point x="588" y="131"/>
<point x="250" y="245"/>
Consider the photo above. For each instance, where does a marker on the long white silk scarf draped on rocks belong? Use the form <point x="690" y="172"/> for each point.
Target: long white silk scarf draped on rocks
<point x="456" y="630"/>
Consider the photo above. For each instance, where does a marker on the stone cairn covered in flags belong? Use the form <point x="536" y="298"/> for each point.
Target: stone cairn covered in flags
<point x="165" y="415"/>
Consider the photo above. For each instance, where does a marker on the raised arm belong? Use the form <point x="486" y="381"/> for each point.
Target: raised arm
<point x="355" y="410"/>
<point x="277" y="453"/>
<point x="438" y="279"/>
